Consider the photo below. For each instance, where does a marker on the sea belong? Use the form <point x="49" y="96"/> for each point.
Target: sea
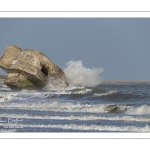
<point x="107" y="107"/>
<point x="103" y="107"/>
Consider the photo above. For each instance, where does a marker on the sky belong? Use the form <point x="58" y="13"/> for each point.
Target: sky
<point x="119" y="45"/>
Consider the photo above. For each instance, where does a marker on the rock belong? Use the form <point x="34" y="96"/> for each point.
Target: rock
<point x="29" y="69"/>
<point x="112" y="108"/>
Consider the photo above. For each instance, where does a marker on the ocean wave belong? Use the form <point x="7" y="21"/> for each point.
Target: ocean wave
<point x="51" y="101"/>
<point x="82" y="118"/>
<point x="139" y="110"/>
<point x="81" y="127"/>
<point x="54" y="106"/>
<point x="71" y="90"/>
<point x="59" y="106"/>
<point x="114" y="94"/>
<point x="104" y="94"/>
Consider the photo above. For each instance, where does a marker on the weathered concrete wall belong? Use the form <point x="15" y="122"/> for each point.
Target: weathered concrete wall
<point x="28" y="68"/>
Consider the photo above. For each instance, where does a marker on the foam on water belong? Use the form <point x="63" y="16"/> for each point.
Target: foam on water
<point x="44" y="101"/>
<point x="86" y="117"/>
<point x="36" y="100"/>
<point x="82" y="127"/>
<point x="55" y="105"/>
<point x="28" y="101"/>
<point x="104" y="94"/>
<point x="140" y="110"/>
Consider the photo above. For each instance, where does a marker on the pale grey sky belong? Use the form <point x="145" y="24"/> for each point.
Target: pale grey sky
<point x="119" y="45"/>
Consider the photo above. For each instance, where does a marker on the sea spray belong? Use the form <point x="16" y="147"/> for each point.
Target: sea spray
<point x="77" y="74"/>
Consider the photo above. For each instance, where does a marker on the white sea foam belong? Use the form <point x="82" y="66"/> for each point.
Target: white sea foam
<point x="35" y="100"/>
<point x="53" y="105"/>
<point x="104" y="94"/>
<point x="82" y="118"/>
<point x="77" y="74"/>
<point x="57" y="105"/>
<point x="141" y="110"/>
<point x="81" y="127"/>
<point x="28" y="95"/>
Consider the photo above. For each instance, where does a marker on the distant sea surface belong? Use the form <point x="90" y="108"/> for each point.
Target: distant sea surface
<point x="107" y="107"/>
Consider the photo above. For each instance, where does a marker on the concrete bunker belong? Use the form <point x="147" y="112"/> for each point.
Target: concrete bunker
<point x="29" y="68"/>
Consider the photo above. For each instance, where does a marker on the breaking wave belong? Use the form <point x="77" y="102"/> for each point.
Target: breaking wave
<point x="53" y="102"/>
<point x="139" y="110"/>
<point x="84" y="127"/>
<point x="105" y="94"/>
<point x="73" y="117"/>
<point x="77" y="74"/>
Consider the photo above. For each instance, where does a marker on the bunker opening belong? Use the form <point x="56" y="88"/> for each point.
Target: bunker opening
<point x="44" y="70"/>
